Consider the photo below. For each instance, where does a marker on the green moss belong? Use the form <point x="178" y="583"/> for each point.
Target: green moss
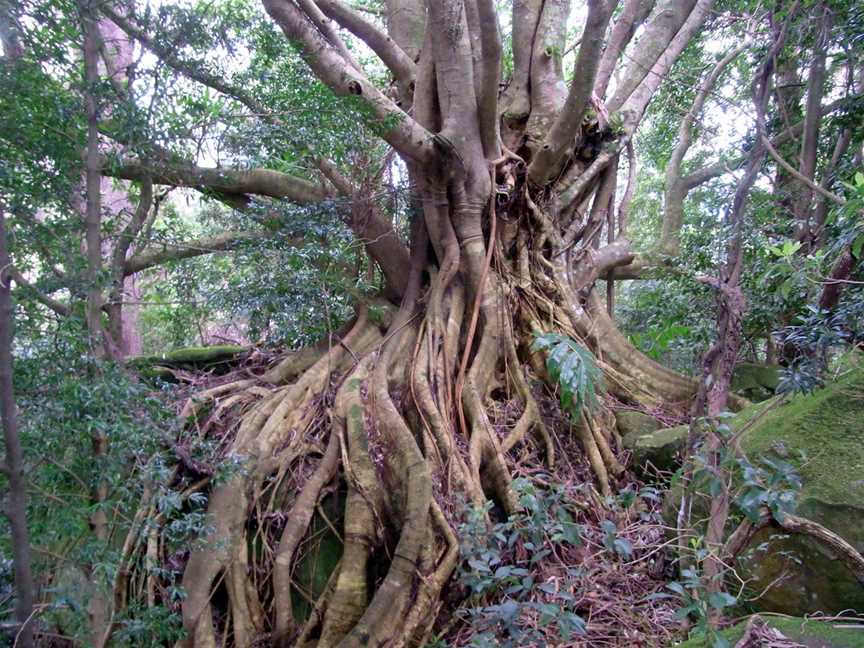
<point x="191" y="356"/>
<point x="659" y="449"/>
<point x="813" y="634"/>
<point x="754" y="381"/>
<point x="822" y="434"/>
<point x="636" y="424"/>
<point x="319" y="554"/>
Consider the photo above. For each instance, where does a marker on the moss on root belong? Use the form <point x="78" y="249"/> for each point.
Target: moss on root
<point x="191" y="355"/>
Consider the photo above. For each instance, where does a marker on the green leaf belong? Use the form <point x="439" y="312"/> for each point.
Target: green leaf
<point x="857" y="244"/>
<point x="720" y="600"/>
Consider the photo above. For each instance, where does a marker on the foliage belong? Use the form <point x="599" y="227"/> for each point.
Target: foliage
<point x="64" y="398"/>
<point x="697" y="603"/>
<point x="502" y="605"/>
<point x="772" y="484"/>
<point x="573" y="368"/>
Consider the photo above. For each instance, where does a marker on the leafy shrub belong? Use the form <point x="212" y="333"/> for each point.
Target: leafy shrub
<point x="501" y="606"/>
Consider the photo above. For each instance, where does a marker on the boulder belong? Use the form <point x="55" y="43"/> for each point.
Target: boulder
<point x="635" y="423"/>
<point x="657" y="451"/>
<point x="809" y="633"/>
<point x="822" y="435"/>
<point x="755" y="382"/>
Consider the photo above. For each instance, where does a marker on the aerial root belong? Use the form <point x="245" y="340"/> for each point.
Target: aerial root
<point x="299" y="517"/>
<point x="404" y="439"/>
<point x="280" y="418"/>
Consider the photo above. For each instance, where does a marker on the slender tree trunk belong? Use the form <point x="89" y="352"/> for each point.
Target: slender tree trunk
<point x="93" y="183"/>
<point x="13" y="466"/>
<point x="98" y="608"/>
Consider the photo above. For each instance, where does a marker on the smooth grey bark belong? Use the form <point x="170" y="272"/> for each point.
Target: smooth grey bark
<point x="667" y="20"/>
<point x="568" y="118"/>
<point x="677" y="187"/>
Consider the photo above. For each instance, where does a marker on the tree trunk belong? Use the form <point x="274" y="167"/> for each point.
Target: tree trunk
<point x="13" y="464"/>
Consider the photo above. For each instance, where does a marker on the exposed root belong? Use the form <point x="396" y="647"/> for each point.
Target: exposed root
<point x="402" y="424"/>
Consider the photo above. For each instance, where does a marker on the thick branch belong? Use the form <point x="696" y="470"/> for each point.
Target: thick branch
<point x="406" y="24"/>
<point x="526" y="14"/>
<point x="812" y="121"/>
<point x="560" y="138"/>
<point x="399" y="130"/>
<point x="155" y="256"/>
<point x="133" y="227"/>
<point x="399" y="63"/>
<point x="676" y="187"/>
<point x="261" y="182"/>
<point x="490" y="72"/>
<point x="632" y="16"/>
<point x="633" y="107"/>
<point x="841" y="270"/>
<point x="668" y="19"/>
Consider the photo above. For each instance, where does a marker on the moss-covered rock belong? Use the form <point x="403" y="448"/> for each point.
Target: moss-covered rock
<point x="659" y="450"/>
<point x="755" y="382"/>
<point x="813" y="634"/>
<point x="635" y="424"/>
<point x="822" y="436"/>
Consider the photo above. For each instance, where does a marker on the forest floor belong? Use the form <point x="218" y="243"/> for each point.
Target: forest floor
<point x="574" y="568"/>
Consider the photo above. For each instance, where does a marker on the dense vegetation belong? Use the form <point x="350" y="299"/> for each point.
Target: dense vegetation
<point x="349" y="322"/>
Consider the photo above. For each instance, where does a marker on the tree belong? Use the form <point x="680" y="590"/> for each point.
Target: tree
<point x="511" y="148"/>
<point x="12" y="467"/>
<point x="501" y="248"/>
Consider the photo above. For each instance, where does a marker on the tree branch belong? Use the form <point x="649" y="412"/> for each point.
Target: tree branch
<point x="798" y="175"/>
<point x="397" y="61"/>
<point x="490" y="72"/>
<point x="634" y="14"/>
<point x="262" y="182"/>
<point x="155" y="256"/>
<point x="676" y="188"/>
<point x="186" y="68"/>
<point x="133" y="227"/>
<point x="526" y="14"/>
<point x="58" y="307"/>
<point x="668" y="19"/>
<point x="551" y="155"/>
<point x="633" y="106"/>
<point x="398" y="129"/>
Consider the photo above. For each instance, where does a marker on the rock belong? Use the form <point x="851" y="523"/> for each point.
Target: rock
<point x="657" y="451"/>
<point x="809" y="633"/>
<point x="822" y="436"/>
<point x="754" y="381"/>
<point x="633" y="423"/>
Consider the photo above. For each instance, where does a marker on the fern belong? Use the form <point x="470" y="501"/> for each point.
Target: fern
<point x="574" y="369"/>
